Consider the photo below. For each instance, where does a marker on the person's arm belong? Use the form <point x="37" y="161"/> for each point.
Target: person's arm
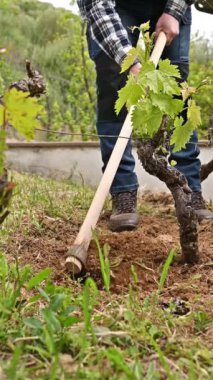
<point x="106" y="27"/>
<point x="177" y="8"/>
<point x="169" y="21"/>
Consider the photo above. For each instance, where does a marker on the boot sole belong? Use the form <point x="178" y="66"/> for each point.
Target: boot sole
<point x="124" y="222"/>
<point x="208" y="215"/>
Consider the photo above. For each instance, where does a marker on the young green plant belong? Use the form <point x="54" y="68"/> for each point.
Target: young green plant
<point x="156" y="93"/>
<point x="165" y="271"/>
<point x="164" y="115"/>
<point x="104" y="261"/>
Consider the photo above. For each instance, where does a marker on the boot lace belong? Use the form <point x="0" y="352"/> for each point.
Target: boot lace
<point x="197" y="201"/>
<point x="124" y="202"/>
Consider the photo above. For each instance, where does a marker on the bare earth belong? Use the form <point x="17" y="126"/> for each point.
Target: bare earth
<point x="146" y="249"/>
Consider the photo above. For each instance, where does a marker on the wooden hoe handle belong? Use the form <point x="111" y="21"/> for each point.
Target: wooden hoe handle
<point x="77" y="255"/>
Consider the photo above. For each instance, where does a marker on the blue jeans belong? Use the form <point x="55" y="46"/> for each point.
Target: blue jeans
<point x="109" y="81"/>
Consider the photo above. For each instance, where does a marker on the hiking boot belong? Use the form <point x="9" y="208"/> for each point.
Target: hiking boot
<point x="199" y="206"/>
<point x="124" y="215"/>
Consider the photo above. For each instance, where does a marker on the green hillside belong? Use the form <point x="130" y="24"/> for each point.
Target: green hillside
<point x="53" y="39"/>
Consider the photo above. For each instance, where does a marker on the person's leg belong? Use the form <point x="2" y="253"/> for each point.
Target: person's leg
<point x="125" y="184"/>
<point x="109" y="81"/>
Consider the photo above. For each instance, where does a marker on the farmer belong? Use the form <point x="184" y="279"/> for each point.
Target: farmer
<point x="109" y="39"/>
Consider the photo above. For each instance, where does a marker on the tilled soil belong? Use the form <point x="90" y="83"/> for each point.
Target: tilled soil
<point x="146" y="249"/>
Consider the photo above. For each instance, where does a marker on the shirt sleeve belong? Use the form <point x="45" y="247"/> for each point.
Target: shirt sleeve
<point x="177" y="8"/>
<point x="106" y="27"/>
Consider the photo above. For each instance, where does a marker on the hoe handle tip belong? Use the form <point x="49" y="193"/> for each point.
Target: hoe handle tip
<point x="76" y="259"/>
<point x="73" y="265"/>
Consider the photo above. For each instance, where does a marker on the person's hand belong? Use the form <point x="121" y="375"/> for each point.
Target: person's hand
<point x="169" y="25"/>
<point x="135" y="68"/>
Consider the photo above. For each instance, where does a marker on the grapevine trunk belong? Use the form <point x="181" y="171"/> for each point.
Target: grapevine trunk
<point x="155" y="163"/>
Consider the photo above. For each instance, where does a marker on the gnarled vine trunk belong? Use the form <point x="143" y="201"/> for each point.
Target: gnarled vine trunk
<point x="34" y="84"/>
<point x="155" y="162"/>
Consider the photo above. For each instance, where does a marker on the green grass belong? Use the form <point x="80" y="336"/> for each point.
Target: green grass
<point x="48" y="331"/>
<point x="34" y="197"/>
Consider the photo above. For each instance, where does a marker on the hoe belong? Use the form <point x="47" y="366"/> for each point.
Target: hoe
<point x="77" y="255"/>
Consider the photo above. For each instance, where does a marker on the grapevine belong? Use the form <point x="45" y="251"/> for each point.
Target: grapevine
<point x="20" y="109"/>
<point x="159" y="99"/>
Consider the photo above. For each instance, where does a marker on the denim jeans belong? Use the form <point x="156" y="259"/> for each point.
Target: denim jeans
<point x="109" y="81"/>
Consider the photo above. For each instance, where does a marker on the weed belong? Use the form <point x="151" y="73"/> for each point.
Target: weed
<point x="134" y="275"/>
<point x="165" y="270"/>
<point x="202" y="321"/>
<point x="88" y="302"/>
<point x="104" y="261"/>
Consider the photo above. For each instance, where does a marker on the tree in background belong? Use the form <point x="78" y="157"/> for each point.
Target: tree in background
<point x="54" y="40"/>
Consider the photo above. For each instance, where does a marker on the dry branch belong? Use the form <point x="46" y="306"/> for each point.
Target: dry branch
<point x="206" y="169"/>
<point x="34" y="84"/>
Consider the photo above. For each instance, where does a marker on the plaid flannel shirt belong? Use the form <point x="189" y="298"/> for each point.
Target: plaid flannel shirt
<point x="106" y="27"/>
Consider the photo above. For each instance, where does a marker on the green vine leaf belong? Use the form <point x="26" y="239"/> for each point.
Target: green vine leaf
<point x="155" y="80"/>
<point x="168" y="69"/>
<point x="170" y="86"/>
<point x="187" y="90"/>
<point x="167" y="104"/>
<point x="128" y="95"/>
<point x="173" y="163"/>
<point x="181" y="133"/>
<point x="129" y="59"/>
<point x="144" y="27"/>
<point x="193" y="113"/>
<point x="146" y="118"/>
<point x="22" y="112"/>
